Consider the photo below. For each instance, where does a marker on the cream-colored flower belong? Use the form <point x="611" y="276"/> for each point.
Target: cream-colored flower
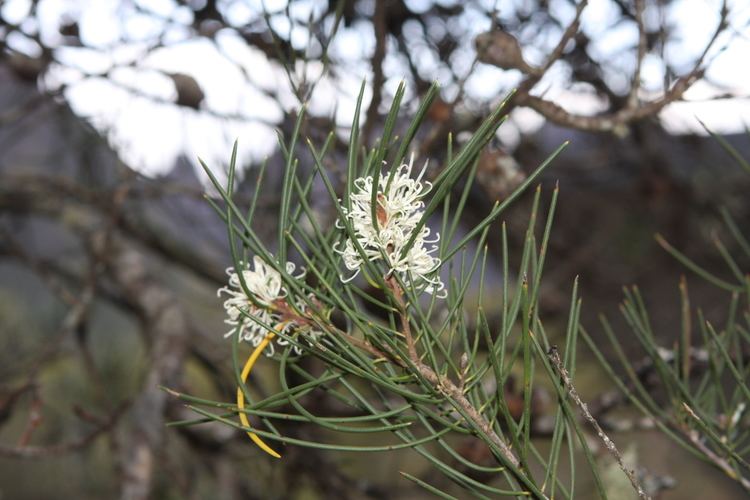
<point x="398" y="212"/>
<point x="256" y="319"/>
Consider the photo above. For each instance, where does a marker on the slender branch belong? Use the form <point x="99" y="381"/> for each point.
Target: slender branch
<point x="41" y="452"/>
<point x="611" y="122"/>
<point x="447" y="387"/>
<point x="633" y="111"/>
<point x="554" y="356"/>
<point x="443" y="384"/>
<point x="405" y="326"/>
<point x="34" y="419"/>
<point x="49" y="195"/>
<point x="567" y="35"/>
<point x="718" y="461"/>
<point x="287" y="313"/>
<point x="642" y="45"/>
<point x="378" y="56"/>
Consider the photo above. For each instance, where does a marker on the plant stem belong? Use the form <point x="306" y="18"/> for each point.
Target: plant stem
<point x="447" y="387"/>
<point x="554" y="356"/>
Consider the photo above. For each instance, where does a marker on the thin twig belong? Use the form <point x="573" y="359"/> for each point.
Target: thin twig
<point x="444" y="385"/>
<point x="378" y="56"/>
<point x="40" y="452"/>
<point x="34" y="419"/>
<point x="720" y="462"/>
<point x="554" y="356"/>
<point x="642" y="45"/>
<point x="613" y="121"/>
<point x="405" y="326"/>
<point x="567" y="35"/>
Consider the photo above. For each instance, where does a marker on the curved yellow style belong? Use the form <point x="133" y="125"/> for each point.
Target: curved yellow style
<point x="241" y="396"/>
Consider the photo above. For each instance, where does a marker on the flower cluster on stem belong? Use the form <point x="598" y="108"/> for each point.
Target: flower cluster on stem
<point x="398" y="212"/>
<point x="267" y="310"/>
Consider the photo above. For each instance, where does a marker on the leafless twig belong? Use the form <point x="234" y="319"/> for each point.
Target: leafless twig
<point x="720" y="462"/>
<point x="554" y="356"/>
<point x="642" y="46"/>
<point x="41" y="452"/>
<point x="378" y="56"/>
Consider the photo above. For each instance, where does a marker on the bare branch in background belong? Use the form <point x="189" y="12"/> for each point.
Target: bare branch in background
<point x="378" y="78"/>
<point x="42" y="452"/>
<point x="167" y="327"/>
<point x="501" y="50"/>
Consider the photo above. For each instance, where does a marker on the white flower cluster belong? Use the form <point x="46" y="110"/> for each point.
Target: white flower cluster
<point x="254" y="318"/>
<point x="398" y="212"/>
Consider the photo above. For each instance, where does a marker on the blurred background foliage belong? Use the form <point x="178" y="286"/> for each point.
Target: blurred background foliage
<point x="103" y="230"/>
